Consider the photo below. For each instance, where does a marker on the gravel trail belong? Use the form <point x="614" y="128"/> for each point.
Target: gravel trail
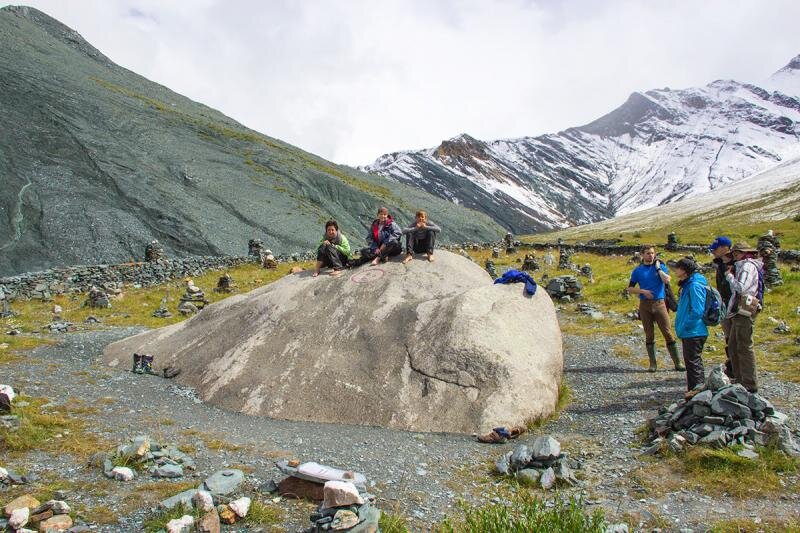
<point x="421" y="476"/>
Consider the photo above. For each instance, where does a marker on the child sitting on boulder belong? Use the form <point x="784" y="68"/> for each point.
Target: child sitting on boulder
<point x="420" y="237"/>
<point x="333" y="250"/>
<point x="383" y="239"/>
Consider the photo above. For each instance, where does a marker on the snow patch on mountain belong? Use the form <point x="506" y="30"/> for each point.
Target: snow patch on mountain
<point x="659" y="147"/>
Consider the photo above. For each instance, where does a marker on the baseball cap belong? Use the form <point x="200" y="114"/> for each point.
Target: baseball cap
<point x="719" y="241"/>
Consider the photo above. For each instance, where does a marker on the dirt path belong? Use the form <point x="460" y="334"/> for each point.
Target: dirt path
<point x="421" y="476"/>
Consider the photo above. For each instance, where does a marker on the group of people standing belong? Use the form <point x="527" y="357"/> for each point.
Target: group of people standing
<point x="739" y="283"/>
<point x="383" y="241"/>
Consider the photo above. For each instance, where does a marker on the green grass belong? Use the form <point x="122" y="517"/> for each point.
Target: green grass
<point x="393" y="523"/>
<point x="525" y="513"/>
<point x="261" y="514"/>
<point x="61" y="428"/>
<point x="723" y="471"/>
<point x="746" y="525"/>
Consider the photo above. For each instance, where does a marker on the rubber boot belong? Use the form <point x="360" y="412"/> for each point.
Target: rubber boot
<point x="672" y="348"/>
<point x="137" y="364"/>
<point x="147" y="364"/>
<point x="651" y="354"/>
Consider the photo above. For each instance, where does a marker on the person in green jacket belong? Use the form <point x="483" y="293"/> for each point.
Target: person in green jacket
<point x="333" y="250"/>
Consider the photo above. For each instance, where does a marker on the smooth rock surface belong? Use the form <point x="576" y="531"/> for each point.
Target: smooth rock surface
<point x="457" y="353"/>
<point x="224" y="482"/>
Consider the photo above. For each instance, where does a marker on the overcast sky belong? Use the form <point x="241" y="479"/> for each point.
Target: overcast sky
<point x="351" y="79"/>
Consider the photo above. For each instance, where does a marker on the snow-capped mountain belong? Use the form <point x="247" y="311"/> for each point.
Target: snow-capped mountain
<point x="658" y="147"/>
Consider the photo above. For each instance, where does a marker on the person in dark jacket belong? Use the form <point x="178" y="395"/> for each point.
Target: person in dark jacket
<point x="333" y="250"/>
<point x="420" y="237"/>
<point x="723" y="260"/>
<point x="689" y="325"/>
<point x="383" y="239"/>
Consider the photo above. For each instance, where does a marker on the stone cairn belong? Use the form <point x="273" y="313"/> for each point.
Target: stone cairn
<point x="495" y="253"/>
<point x="768" y="248"/>
<point x="491" y="269"/>
<point x="565" y="258"/>
<point x="162" y="311"/>
<point x="97" y="298"/>
<point x="586" y="270"/>
<point x="141" y="453"/>
<point x="193" y="299"/>
<point x="509" y="242"/>
<point x="549" y="259"/>
<point x="672" y="242"/>
<point x="225" y="284"/>
<point x="5" y="306"/>
<point x="565" y="288"/>
<point x="542" y="464"/>
<point x="255" y="248"/>
<point x="345" y="505"/>
<point x="153" y="251"/>
<point x="530" y="264"/>
<point x="721" y="415"/>
<point x="26" y="512"/>
<point x="221" y="486"/>
<point x="268" y="260"/>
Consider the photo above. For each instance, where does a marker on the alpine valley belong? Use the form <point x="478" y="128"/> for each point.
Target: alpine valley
<point x="658" y="147"/>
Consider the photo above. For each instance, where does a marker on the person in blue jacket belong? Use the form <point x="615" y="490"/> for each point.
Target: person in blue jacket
<point x="689" y="326"/>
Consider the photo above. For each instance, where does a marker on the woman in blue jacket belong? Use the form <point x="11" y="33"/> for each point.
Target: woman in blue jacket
<point x="689" y="324"/>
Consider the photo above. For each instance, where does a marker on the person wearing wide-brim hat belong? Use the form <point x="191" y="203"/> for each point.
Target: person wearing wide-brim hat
<point x="747" y="287"/>
<point x="723" y="261"/>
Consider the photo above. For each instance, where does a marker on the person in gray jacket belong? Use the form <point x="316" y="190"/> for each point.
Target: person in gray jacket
<point x="420" y="237"/>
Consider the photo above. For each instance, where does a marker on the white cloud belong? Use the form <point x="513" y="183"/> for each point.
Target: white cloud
<point x="352" y="79"/>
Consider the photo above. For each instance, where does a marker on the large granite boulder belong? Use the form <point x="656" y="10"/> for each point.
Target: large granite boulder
<point x="423" y="346"/>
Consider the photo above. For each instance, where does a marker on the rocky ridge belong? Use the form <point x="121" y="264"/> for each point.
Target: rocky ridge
<point x="658" y="147"/>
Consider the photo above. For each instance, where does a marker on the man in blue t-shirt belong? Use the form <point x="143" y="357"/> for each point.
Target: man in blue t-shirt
<point x="650" y="276"/>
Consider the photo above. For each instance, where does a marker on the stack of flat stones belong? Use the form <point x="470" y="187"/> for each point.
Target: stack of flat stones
<point x="192" y="300"/>
<point x="542" y="464"/>
<point x="162" y="311"/>
<point x="153" y="251"/>
<point x="345" y="508"/>
<point x="565" y="288"/>
<point x="97" y="298"/>
<point x="565" y="258"/>
<point x="530" y="264"/>
<point x="161" y="461"/>
<point x="490" y="268"/>
<point x="26" y="512"/>
<point x="721" y="415"/>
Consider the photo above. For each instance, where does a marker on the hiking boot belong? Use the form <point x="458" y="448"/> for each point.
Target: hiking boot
<point x="137" y="364"/>
<point x="651" y="355"/>
<point x="147" y="365"/>
<point x="672" y="348"/>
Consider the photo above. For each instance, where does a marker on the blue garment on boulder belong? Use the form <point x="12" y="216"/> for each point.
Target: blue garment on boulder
<point x="516" y="276"/>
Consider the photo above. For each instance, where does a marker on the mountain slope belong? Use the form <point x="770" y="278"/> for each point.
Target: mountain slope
<point x="96" y="161"/>
<point x="769" y="196"/>
<point x="658" y="147"/>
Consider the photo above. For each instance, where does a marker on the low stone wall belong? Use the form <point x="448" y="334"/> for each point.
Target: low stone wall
<point x="81" y="278"/>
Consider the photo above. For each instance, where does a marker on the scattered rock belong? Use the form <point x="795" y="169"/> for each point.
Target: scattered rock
<point x="546" y="448"/>
<point x="223" y="482"/>
<point x="25" y="501"/>
<point x="183" y="498"/>
<point x="18" y="517"/>
<point x="180" y="525"/>
<point x="240" y="506"/>
<point x="203" y="501"/>
<point x="123" y="473"/>
<point x="548" y="479"/>
<point x="209" y="523"/>
<point x="61" y="522"/>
